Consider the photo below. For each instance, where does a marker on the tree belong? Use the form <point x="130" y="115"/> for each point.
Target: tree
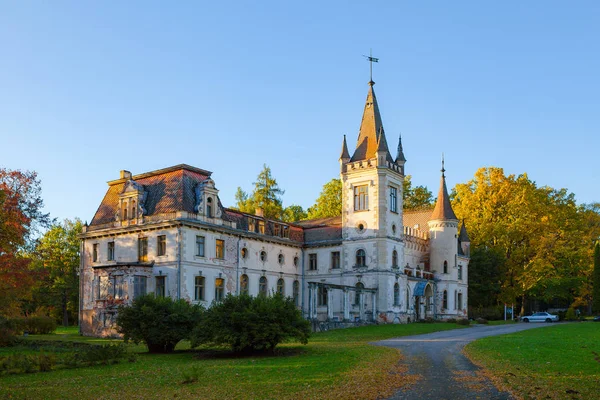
<point x="246" y="323"/>
<point x="596" y="293"/>
<point x="20" y="219"/>
<point x="416" y="197"/>
<point x="159" y="322"/>
<point x="266" y="196"/>
<point x="294" y="213"/>
<point x="57" y="256"/>
<point x="539" y="232"/>
<point x="329" y="202"/>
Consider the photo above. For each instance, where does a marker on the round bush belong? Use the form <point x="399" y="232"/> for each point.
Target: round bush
<point x="160" y="322"/>
<point x="247" y="324"/>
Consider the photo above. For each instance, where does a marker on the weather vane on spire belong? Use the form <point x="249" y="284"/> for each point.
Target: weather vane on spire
<point x="443" y="169"/>
<point x="371" y="60"/>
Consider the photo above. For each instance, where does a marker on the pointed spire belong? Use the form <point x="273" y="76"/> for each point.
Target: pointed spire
<point x="400" y="155"/>
<point x="370" y="128"/>
<point x="345" y="154"/>
<point x="443" y="208"/>
<point x="463" y="236"/>
<point x="381" y="141"/>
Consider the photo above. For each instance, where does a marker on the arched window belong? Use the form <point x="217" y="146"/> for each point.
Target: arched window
<point x="124" y="211"/>
<point x="280" y="258"/>
<point x="459" y="302"/>
<point x="395" y="259"/>
<point x="281" y="287"/>
<point x="445" y="267"/>
<point x="244" y="284"/>
<point x="396" y="294"/>
<point x="296" y="292"/>
<point x="407" y="297"/>
<point x="357" y="293"/>
<point x="262" y="286"/>
<point x="263" y="256"/>
<point x="445" y="300"/>
<point x="244" y="253"/>
<point x="132" y="216"/>
<point x="455" y="299"/>
<point x="209" y="207"/>
<point x="295" y="261"/>
<point x="360" y="258"/>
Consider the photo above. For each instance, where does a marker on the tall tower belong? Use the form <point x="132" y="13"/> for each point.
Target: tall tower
<point x="372" y="206"/>
<point x="443" y="230"/>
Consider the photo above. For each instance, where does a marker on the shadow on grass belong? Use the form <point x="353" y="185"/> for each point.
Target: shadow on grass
<point x="216" y="354"/>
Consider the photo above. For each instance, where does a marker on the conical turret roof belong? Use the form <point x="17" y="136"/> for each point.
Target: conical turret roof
<point x="443" y="208"/>
<point x="464" y="236"/>
<point x="370" y="129"/>
<point x="345" y="153"/>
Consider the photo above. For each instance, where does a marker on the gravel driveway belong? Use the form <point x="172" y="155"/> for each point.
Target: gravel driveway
<point x="445" y="372"/>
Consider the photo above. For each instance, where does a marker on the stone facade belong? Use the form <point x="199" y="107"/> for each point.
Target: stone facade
<point x="166" y="232"/>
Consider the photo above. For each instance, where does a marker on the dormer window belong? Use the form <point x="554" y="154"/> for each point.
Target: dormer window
<point x="132" y="216"/>
<point x="124" y="212"/>
<point x="209" y="207"/>
<point x="131" y="202"/>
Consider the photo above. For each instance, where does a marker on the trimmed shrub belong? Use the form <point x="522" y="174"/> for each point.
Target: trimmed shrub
<point x="159" y="322"/>
<point x="492" y="313"/>
<point x="571" y="315"/>
<point x="463" y="321"/>
<point x="482" y="321"/>
<point x="245" y="323"/>
<point x="7" y="332"/>
<point x="39" y="325"/>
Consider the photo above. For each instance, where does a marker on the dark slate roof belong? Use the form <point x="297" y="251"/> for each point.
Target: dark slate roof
<point x="322" y="230"/>
<point x="241" y="220"/>
<point x="464" y="236"/>
<point x="400" y="153"/>
<point x="370" y="126"/>
<point x="443" y="208"/>
<point x="168" y="190"/>
<point x="345" y="153"/>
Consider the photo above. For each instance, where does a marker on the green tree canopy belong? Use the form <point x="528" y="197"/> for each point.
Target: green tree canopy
<point x="415" y="197"/>
<point x="294" y="213"/>
<point x="329" y="202"/>
<point x="57" y="259"/>
<point x="539" y="231"/>
<point x="596" y="281"/>
<point x="266" y="195"/>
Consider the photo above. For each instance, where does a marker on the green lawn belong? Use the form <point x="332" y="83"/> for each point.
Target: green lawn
<point x="558" y="362"/>
<point x="338" y="364"/>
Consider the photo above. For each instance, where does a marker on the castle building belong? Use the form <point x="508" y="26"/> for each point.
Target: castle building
<point x="167" y="232"/>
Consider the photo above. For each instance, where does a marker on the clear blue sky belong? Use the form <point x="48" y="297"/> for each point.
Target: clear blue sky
<point x="88" y="90"/>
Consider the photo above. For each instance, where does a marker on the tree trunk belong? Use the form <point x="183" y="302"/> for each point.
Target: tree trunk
<point x="522" y="305"/>
<point x="64" y="309"/>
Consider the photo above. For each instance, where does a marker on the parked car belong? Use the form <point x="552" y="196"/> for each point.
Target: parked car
<point x="540" y="317"/>
<point x="597" y="319"/>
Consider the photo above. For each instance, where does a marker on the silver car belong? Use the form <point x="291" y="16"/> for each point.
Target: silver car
<point x="540" y="317"/>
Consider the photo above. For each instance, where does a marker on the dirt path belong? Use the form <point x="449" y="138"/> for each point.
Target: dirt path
<point x="445" y="373"/>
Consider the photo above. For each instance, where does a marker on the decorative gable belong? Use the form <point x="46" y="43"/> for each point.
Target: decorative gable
<point x="207" y="199"/>
<point x="131" y="203"/>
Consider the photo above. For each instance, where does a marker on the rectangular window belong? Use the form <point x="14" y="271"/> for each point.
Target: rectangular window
<point x="103" y="287"/>
<point x="285" y="231"/>
<point x="95" y="252"/>
<point x="199" y="288"/>
<point x="220" y="249"/>
<point x="251" y="224"/>
<point x="312" y="262"/>
<point x="335" y="259"/>
<point x="143" y="249"/>
<point x="261" y="227"/>
<point x="111" y="251"/>
<point x="393" y="199"/>
<point x="361" y="198"/>
<point x="139" y="286"/>
<point x="161" y="245"/>
<point x="219" y="289"/>
<point x="200" y="246"/>
<point x="118" y="283"/>
<point x="160" y="289"/>
<point x="276" y="230"/>
<point x="460" y="272"/>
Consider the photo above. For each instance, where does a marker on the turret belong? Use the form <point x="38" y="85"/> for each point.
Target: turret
<point x="464" y="242"/>
<point x="443" y="229"/>
<point x="345" y="156"/>
<point x="400" y="159"/>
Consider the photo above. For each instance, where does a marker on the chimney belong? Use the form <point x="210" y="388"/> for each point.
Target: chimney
<point x="259" y="212"/>
<point x="125" y="174"/>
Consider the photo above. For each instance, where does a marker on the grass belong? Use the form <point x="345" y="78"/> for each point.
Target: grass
<point x="558" y="362"/>
<point x="338" y="364"/>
